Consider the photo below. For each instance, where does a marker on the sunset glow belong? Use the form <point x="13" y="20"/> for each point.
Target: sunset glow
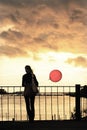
<point x="45" y="34"/>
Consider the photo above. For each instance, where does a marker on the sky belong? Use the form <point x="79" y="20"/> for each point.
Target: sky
<point x="47" y="35"/>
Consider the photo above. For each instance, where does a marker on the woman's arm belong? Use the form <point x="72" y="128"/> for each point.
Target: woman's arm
<point x="35" y="80"/>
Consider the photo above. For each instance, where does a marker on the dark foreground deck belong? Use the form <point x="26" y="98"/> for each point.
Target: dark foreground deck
<point x="44" y="125"/>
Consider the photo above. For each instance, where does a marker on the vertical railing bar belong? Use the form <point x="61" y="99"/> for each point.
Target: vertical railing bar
<point x="82" y="104"/>
<point x="1" y="108"/>
<point x="63" y="103"/>
<point x="51" y="104"/>
<point x="8" y="103"/>
<point x="57" y="104"/>
<point x="84" y="107"/>
<point x="20" y="105"/>
<point x="44" y="101"/>
<point x="39" y="106"/>
<point x="69" y="101"/>
<point x="45" y="105"/>
<point x="1" y="105"/>
<point x="77" y="101"/>
<point x="14" y="100"/>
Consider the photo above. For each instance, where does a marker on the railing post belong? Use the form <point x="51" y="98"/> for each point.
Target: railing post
<point x="78" y="114"/>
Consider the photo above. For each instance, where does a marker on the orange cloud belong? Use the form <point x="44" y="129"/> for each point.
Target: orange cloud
<point x="78" y="61"/>
<point x="39" y="26"/>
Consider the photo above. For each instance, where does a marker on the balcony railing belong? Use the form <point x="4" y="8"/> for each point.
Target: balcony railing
<point x="52" y="103"/>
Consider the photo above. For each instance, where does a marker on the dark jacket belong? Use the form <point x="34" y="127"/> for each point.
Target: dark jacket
<point x="27" y="79"/>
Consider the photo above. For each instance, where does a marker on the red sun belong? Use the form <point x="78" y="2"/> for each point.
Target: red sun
<point x="55" y="75"/>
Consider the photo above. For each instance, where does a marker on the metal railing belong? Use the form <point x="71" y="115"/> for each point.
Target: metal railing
<point x="52" y="103"/>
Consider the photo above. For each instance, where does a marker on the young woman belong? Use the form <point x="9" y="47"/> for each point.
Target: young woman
<point x="29" y="95"/>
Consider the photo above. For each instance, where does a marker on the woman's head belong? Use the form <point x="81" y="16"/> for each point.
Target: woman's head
<point x="28" y="69"/>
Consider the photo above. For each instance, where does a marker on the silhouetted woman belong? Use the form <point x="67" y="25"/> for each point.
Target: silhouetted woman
<point x="28" y="94"/>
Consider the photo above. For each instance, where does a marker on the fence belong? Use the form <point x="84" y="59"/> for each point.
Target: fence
<point x="52" y="103"/>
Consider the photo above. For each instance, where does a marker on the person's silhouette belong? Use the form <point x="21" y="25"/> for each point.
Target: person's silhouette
<point x="28" y="94"/>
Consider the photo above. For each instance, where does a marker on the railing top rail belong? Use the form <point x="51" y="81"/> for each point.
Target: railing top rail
<point x="38" y="86"/>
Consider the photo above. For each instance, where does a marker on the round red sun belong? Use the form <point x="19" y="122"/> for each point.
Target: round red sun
<point x="55" y="75"/>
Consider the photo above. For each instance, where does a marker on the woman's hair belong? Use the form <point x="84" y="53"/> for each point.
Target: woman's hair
<point x="28" y="68"/>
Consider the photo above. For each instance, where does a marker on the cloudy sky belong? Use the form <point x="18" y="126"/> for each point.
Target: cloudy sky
<point x="46" y="34"/>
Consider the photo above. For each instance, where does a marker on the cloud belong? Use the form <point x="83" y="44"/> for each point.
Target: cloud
<point x="11" y="35"/>
<point x="78" y="61"/>
<point x="36" y="26"/>
<point x="12" y="51"/>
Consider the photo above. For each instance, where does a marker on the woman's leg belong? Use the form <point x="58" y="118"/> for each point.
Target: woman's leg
<point x="28" y="106"/>
<point x="32" y="99"/>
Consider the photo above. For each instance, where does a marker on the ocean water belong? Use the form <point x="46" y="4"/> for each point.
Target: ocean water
<point x="46" y="107"/>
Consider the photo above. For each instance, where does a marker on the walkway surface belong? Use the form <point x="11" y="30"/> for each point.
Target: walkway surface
<point x="44" y="125"/>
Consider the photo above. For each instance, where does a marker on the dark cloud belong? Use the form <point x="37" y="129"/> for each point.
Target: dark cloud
<point x="16" y="3"/>
<point x="79" y="16"/>
<point x="76" y="15"/>
<point x="15" y="17"/>
<point x="12" y="51"/>
<point x="49" y="3"/>
<point x="11" y="35"/>
<point x="78" y="61"/>
<point x="33" y="2"/>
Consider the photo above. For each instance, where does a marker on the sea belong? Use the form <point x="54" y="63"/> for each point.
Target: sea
<point x="50" y="107"/>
